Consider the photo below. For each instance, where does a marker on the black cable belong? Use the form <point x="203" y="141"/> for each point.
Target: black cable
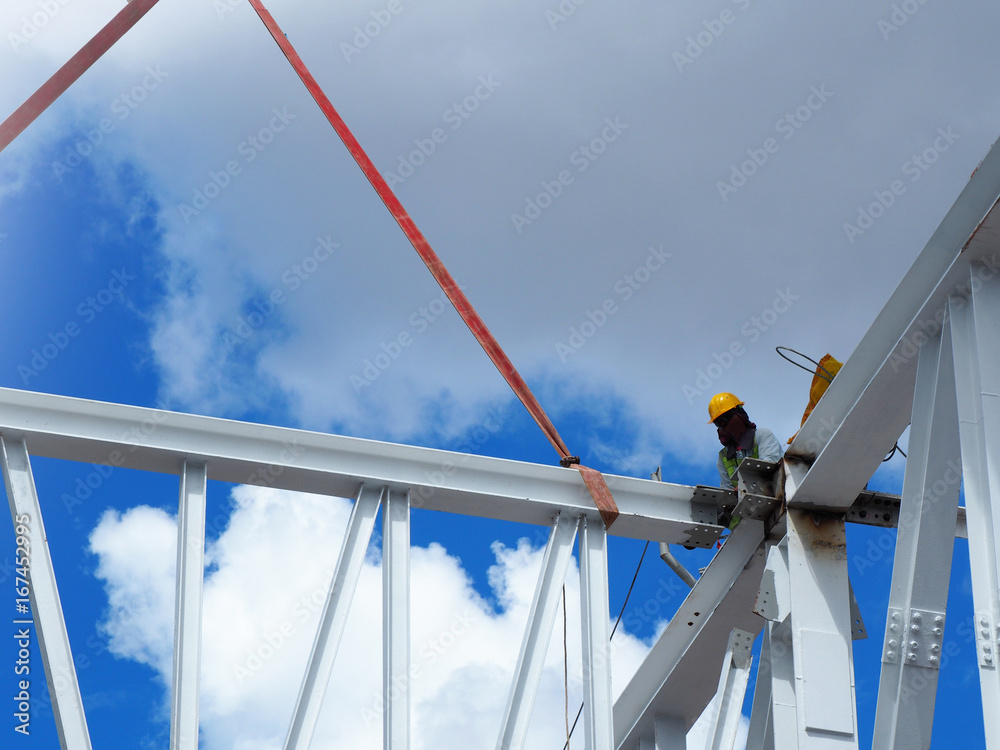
<point x="624" y="604"/>
<point x="827" y="379"/>
<point x="810" y="359"/>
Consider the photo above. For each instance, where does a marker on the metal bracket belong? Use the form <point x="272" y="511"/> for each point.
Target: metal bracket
<point x="755" y="489"/>
<point x="740" y="645"/>
<point x="987" y="640"/>
<point x="915" y="638"/>
<point x="875" y="509"/>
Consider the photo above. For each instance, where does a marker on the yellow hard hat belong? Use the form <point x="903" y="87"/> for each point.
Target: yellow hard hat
<point x="720" y="404"/>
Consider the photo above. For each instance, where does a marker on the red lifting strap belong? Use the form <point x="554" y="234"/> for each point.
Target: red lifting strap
<point x="593" y="479"/>
<point x="77" y="65"/>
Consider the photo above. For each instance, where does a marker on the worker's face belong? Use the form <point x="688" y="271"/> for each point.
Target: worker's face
<point x="730" y="425"/>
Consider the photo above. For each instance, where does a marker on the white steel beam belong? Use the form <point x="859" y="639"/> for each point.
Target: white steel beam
<point x="784" y="722"/>
<point x="866" y="406"/>
<point x="976" y="344"/>
<point x="334" y="619"/>
<point x="188" y="607"/>
<point x="821" y="631"/>
<point x="732" y="688"/>
<point x="153" y="440"/>
<point x="396" y="621"/>
<point x="674" y="680"/>
<point x="918" y="595"/>
<point x="596" y="634"/>
<point x="537" y="632"/>
<point x="46" y="610"/>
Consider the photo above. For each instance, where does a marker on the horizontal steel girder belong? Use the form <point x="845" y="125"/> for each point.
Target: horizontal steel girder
<point x="244" y="453"/>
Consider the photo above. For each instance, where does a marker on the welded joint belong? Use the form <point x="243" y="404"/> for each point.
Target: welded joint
<point x="914" y="638"/>
<point x="987" y="640"/>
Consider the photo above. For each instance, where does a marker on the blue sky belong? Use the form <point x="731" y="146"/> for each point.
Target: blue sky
<point x="138" y="299"/>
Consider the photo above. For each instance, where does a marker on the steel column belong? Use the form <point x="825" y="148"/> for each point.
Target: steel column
<point x="975" y="324"/>
<point x="918" y="595"/>
<point x="396" y="620"/>
<point x="596" y="634"/>
<point x="537" y="633"/>
<point x="822" y="651"/>
<point x="43" y="593"/>
<point x="188" y="607"/>
<point x="733" y="679"/>
<point x="331" y="626"/>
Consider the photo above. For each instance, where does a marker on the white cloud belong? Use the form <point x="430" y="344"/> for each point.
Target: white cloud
<point x="267" y="579"/>
<point x="654" y="185"/>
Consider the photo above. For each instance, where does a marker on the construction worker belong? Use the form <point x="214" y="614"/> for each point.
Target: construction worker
<point x="740" y="437"/>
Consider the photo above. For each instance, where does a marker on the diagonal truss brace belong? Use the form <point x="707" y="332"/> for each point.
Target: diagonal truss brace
<point x="46" y="609"/>
<point x="334" y="619"/>
<point x="541" y="619"/>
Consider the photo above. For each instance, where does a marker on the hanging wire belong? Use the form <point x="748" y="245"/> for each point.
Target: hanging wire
<point x="622" y="612"/>
<point x="809" y="359"/>
<point x="828" y="377"/>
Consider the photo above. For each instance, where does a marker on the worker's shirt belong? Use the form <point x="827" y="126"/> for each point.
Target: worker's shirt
<point x="768" y="449"/>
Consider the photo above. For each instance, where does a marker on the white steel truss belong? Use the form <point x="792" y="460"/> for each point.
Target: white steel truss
<point x="931" y="359"/>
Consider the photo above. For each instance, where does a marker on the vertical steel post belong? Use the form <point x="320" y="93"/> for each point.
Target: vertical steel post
<point x="925" y="540"/>
<point x="396" y="620"/>
<point x="596" y="635"/>
<point x="46" y="609"/>
<point x="975" y="327"/>
<point x="822" y="651"/>
<point x="728" y="702"/>
<point x="541" y="619"/>
<point x="188" y="607"/>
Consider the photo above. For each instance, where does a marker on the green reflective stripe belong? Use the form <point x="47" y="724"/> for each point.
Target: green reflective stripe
<point x="732" y="463"/>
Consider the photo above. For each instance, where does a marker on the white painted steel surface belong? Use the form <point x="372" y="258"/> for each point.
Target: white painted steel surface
<point x="596" y="634"/>
<point x="976" y="345"/>
<point x="918" y="594"/>
<point x="46" y="609"/>
<point x="396" y="676"/>
<point x="188" y="607"/>
<point x="541" y="619"/>
<point x="334" y="619"/>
